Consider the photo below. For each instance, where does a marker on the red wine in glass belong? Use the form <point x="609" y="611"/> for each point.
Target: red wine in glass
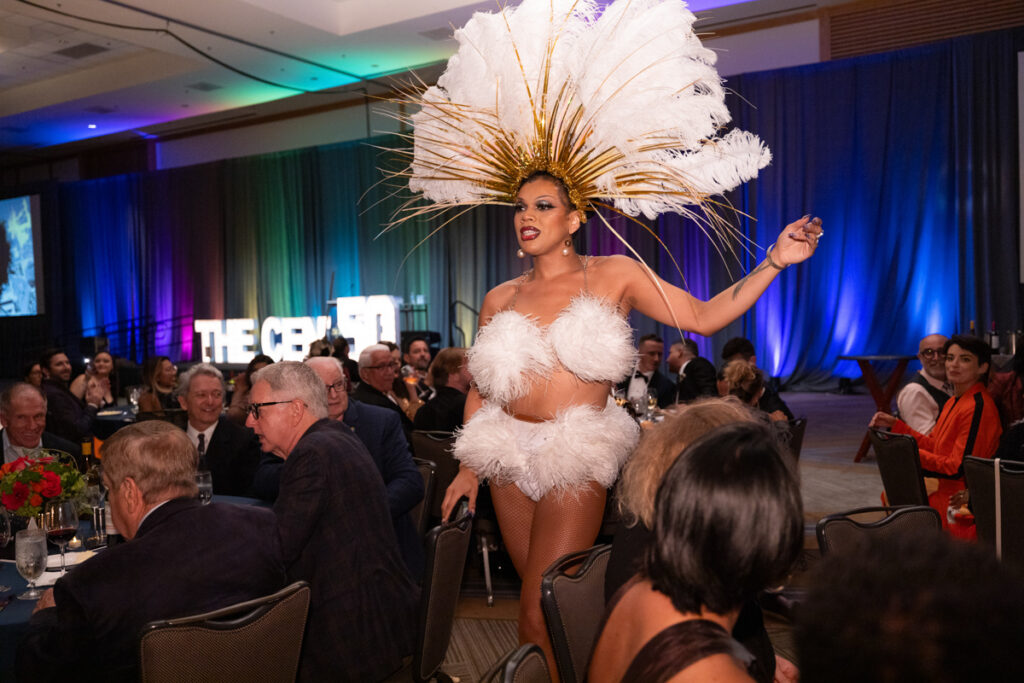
<point x="60" y="537"/>
<point x="60" y="519"/>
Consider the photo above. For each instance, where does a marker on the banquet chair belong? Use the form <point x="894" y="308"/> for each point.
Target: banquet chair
<point x="525" y="664"/>
<point x="436" y="447"/>
<point x="446" y="547"/>
<point x="797" y="430"/>
<point x="573" y="604"/>
<point x="900" y="468"/>
<point x="421" y="512"/>
<point x="254" y="640"/>
<point x="845" y="530"/>
<point x="1008" y="535"/>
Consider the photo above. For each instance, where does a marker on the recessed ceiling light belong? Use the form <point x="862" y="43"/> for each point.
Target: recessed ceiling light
<point x="92" y="126"/>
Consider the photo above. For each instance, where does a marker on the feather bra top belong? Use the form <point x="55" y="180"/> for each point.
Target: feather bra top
<point x="589" y="338"/>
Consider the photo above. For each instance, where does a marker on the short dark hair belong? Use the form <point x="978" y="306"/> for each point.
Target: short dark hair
<point x="728" y="520"/>
<point x="47" y="356"/>
<point x="974" y="345"/>
<point x="392" y="346"/>
<point x="690" y="346"/>
<point x="259" y="359"/>
<point x="738" y="346"/>
<point x="407" y="343"/>
<point x="650" y="337"/>
<point x="911" y="607"/>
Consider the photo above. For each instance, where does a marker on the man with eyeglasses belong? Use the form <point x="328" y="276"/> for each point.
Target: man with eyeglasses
<point x="377" y="372"/>
<point x="381" y="432"/>
<point x="920" y="401"/>
<point x="228" y="450"/>
<point x="335" y="531"/>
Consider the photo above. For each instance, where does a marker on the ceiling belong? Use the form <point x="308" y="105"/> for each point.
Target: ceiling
<point x="76" y="73"/>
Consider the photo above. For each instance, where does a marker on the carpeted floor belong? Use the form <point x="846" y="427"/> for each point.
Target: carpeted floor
<point x="830" y="482"/>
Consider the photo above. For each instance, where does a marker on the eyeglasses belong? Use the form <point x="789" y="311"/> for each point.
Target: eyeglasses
<point x="932" y="353"/>
<point x="254" y="408"/>
<point x="337" y="387"/>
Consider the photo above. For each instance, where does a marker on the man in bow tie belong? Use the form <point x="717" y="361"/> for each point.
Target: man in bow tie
<point x="647" y="377"/>
<point x="696" y="374"/>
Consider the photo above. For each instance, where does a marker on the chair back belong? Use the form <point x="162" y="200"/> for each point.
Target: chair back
<point x="437" y="447"/>
<point x="525" y="664"/>
<point x="255" y="640"/>
<point x="421" y="513"/>
<point x="845" y="530"/>
<point x="447" y="548"/>
<point x="1008" y="535"/>
<point x="797" y="430"/>
<point x="900" y="467"/>
<point x="573" y="606"/>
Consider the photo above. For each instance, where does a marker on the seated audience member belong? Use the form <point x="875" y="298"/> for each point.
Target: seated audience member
<point x="696" y="375"/>
<point x="381" y="432"/>
<point x="66" y="415"/>
<point x="229" y="451"/>
<point x="23" y="414"/>
<point x="341" y="351"/>
<point x="967" y="425"/>
<point x="745" y="381"/>
<point x="913" y="607"/>
<point x="240" y="399"/>
<point x="159" y="377"/>
<point x="33" y="374"/>
<point x="451" y="380"/>
<point x="416" y="357"/>
<point x="378" y="370"/>
<point x="638" y="485"/>
<point x="1007" y="389"/>
<point x="921" y="399"/>
<point x="181" y="558"/>
<point x="648" y="377"/>
<point x="728" y="522"/>
<point x="100" y="371"/>
<point x="335" y="532"/>
<point x="740" y="348"/>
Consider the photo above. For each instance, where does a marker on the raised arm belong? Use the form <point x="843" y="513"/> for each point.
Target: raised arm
<point x="670" y="305"/>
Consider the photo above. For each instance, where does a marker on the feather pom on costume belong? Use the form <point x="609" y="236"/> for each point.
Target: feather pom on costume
<point x="510" y="352"/>
<point x="590" y="323"/>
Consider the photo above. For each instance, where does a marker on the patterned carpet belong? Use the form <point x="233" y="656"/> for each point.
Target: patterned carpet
<point x="476" y="645"/>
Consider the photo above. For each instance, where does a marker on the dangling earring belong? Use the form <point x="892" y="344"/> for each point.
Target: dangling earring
<point x="520" y="253"/>
<point x="565" y="249"/>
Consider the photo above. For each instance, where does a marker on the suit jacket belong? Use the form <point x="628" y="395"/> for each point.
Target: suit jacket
<point x="54" y="442"/>
<point x="67" y="416"/>
<point x="698" y="379"/>
<point x="663" y="387"/>
<point x="381" y="433"/>
<point x="770" y="401"/>
<point x="185" y="559"/>
<point x="364" y="393"/>
<point x="443" y="413"/>
<point x="333" y="520"/>
<point x="232" y="457"/>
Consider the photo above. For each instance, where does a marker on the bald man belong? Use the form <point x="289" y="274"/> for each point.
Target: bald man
<point x="920" y="401"/>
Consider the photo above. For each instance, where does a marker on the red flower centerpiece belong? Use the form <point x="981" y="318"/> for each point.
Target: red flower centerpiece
<point x="28" y="483"/>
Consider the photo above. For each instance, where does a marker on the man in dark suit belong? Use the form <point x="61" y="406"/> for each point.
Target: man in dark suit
<point x="335" y="532"/>
<point x="182" y="558"/>
<point x="451" y="380"/>
<point x="741" y="348"/>
<point x="377" y="372"/>
<point x="68" y="416"/>
<point x="647" y="377"/>
<point x="696" y="374"/>
<point x="381" y="433"/>
<point x="23" y="412"/>
<point x="229" y="451"/>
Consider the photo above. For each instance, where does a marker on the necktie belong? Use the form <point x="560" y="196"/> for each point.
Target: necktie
<point x="202" y="451"/>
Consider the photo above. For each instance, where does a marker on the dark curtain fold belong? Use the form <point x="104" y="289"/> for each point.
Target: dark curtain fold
<point x="910" y="158"/>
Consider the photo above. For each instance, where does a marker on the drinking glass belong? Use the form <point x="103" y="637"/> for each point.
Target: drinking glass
<point x="204" y="480"/>
<point x="30" y="559"/>
<point x="60" y="519"/>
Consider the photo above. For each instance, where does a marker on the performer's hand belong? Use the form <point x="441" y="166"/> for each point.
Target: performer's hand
<point x="797" y="242"/>
<point x="882" y="420"/>
<point x="785" y="671"/>
<point x="466" y="484"/>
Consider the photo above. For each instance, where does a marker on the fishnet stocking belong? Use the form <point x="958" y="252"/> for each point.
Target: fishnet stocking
<point x="538" y="533"/>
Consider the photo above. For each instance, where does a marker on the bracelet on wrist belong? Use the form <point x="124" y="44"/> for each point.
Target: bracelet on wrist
<point x="768" y="258"/>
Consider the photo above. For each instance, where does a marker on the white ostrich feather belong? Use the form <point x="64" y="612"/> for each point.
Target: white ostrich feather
<point x="592" y="341"/>
<point x="509" y="354"/>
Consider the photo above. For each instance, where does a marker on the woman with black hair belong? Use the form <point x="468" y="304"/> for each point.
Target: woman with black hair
<point x="728" y="523"/>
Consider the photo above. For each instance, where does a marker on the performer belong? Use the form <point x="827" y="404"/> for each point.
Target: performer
<point x="563" y="114"/>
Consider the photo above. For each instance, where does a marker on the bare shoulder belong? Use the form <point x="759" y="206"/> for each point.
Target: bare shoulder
<point x="497" y="299"/>
<point x="719" y="668"/>
<point x="615" y="265"/>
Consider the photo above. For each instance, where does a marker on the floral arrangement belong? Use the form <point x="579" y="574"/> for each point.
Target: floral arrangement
<point x="28" y="483"/>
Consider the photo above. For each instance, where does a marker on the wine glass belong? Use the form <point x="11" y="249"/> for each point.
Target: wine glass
<point x="204" y="480"/>
<point x="30" y="559"/>
<point x="60" y="519"/>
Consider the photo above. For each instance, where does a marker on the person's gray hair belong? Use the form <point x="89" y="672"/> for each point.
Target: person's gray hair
<point x="326" y="359"/>
<point x="16" y="390"/>
<point x="185" y="378"/>
<point x="157" y="455"/>
<point x="290" y="380"/>
<point x="364" y="355"/>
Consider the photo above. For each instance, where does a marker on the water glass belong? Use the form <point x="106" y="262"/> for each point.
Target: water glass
<point x="204" y="480"/>
<point x="30" y="559"/>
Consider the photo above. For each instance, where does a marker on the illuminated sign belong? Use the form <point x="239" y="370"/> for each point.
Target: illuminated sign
<point x="364" y="319"/>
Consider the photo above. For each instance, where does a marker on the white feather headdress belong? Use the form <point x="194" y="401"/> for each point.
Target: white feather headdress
<point x="624" y="106"/>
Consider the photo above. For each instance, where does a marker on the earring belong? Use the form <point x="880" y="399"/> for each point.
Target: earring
<point x="565" y="249"/>
<point x="520" y="253"/>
